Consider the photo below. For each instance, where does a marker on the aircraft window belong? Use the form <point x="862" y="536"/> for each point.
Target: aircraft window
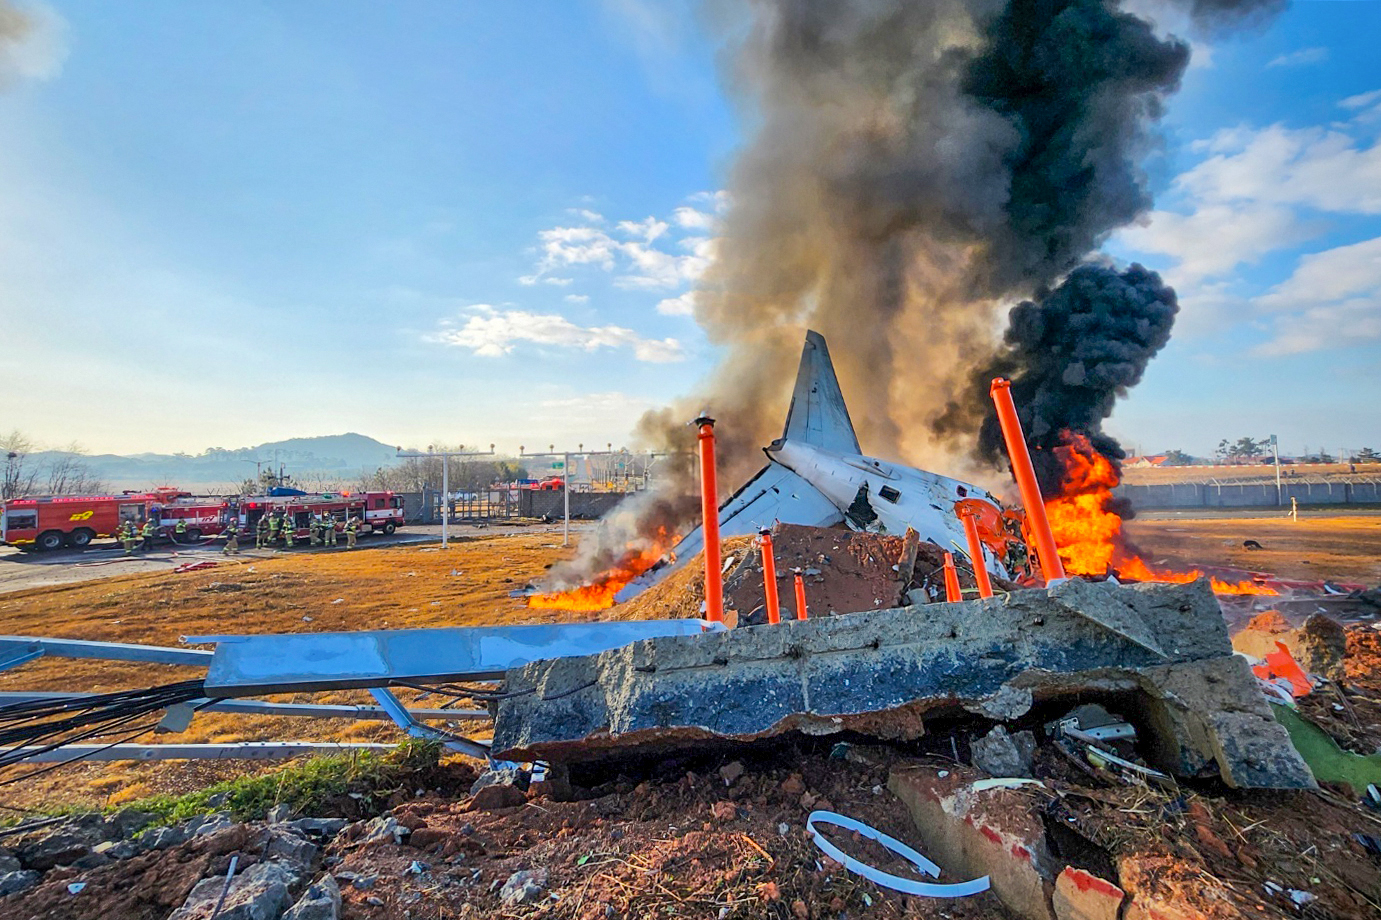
<point x="961" y="490"/>
<point x="889" y="493"/>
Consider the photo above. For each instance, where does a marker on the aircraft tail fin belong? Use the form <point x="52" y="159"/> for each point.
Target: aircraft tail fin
<point x="818" y="415"/>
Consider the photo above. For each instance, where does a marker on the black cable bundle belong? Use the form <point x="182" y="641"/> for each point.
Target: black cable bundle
<point x="39" y="726"/>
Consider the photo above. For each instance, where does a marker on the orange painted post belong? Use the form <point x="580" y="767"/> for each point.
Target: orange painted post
<point x="952" y="592"/>
<point x="769" y="577"/>
<point x="1025" y="473"/>
<point x="980" y="568"/>
<point x="709" y="508"/>
<point x="800" y="597"/>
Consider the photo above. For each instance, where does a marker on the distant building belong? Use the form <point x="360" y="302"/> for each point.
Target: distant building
<point x="1141" y="463"/>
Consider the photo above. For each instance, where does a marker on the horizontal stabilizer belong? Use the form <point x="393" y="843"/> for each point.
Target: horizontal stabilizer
<point x="818" y="415"/>
<point x="775" y="494"/>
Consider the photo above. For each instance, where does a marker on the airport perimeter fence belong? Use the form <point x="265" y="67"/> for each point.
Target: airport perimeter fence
<point x="1214" y="494"/>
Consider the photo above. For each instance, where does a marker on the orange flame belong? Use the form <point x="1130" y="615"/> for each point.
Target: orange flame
<point x="599" y="593"/>
<point x="1089" y="534"/>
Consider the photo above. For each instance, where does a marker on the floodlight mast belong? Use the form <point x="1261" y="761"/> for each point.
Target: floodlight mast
<point x="446" y="456"/>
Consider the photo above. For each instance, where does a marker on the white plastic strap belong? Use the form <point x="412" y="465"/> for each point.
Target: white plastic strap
<point x="896" y="883"/>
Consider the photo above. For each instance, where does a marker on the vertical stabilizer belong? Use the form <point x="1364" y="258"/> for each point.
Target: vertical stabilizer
<point x="818" y="415"/>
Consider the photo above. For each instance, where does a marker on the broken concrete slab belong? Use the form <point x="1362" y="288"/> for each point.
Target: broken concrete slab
<point x="883" y="673"/>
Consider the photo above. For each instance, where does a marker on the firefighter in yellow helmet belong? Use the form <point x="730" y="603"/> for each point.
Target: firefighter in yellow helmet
<point x="351" y="526"/>
<point x="289" y="530"/>
<point x="328" y="529"/>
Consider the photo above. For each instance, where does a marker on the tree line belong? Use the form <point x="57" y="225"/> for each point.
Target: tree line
<point x="66" y="473"/>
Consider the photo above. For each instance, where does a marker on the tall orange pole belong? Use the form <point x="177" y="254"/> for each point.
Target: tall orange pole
<point x="709" y="508"/>
<point x="769" y="577"/>
<point x="1025" y="473"/>
<point x="980" y="568"/>
<point x="800" y="597"/>
<point x="952" y="591"/>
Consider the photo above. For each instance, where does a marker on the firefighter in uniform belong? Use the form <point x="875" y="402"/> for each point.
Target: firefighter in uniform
<point x="316" y="530"/>
<point x="232" y="540"/>
<point x="288" y="528"/>
<point x="350" y="527"/>
<point x="149" y="532"/>
<point x="274" y="521"/>
<point x="180" y="531"/>
<point x="328" y="530"/>
<point x="261" y="533"/>
<point x="127" y="535"/>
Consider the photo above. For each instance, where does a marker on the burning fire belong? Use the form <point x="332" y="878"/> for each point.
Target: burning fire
<point x="1089" y="534"/>
<point x="599" y="593"/>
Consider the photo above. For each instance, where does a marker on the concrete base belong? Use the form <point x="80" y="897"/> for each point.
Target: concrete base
<point x="883" y="673"/>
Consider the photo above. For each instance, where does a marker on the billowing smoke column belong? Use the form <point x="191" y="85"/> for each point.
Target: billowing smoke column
<point x="1069" y="355"/>
<point x="912" y="168"/>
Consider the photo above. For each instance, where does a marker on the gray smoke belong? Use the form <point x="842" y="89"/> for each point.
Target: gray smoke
<point x="912" y="168"/>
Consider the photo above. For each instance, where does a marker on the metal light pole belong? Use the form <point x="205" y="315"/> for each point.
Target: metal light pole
<point x="446" y="456"/>
<point x="1275" y="452"/>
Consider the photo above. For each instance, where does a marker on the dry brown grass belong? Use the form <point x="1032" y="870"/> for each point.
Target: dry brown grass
<point x="466" y="585"/>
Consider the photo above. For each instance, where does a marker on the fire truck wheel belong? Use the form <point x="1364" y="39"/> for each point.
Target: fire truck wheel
<point x="50" y="540"/>
<point x="390" y="527"/>
<point x="193" y="535"/>
<point x="80" y="538"/>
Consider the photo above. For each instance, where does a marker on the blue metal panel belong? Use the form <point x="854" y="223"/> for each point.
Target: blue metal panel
<point x="333" y="661"/>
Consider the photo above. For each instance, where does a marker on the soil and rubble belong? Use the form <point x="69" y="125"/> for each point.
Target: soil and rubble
<point x="718" y="830"/>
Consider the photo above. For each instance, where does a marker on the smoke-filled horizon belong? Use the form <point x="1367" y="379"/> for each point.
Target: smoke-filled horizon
<point x="912" y="169"/>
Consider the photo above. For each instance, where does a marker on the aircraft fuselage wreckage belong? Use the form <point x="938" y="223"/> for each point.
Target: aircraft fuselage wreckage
<point x="817" y="475"/>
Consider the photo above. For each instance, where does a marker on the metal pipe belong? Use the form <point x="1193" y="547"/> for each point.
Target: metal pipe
<point x="566" y="498"/>
<point x="1025" y="473"/>
<point x="769" y="577"/>
<point x="980" y="568"/>
<point x="800" y="597"/>
<point x="952" y="592"/>
<point x="709" y="509"/>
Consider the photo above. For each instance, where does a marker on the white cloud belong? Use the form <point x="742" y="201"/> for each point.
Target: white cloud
<point x="691" y="219"/>
<point x="1300" y="58"/>
<point x="577" y="246"/>
<point x="718" y="201"/>
<point x="1328" y="276"/>
<point x="1216" y="238"/>
<point x="33" y="42"/>
<point x="1323" y="168"/>
<point x="649" y="228"/>
<point x="1332" y="299"/>
<point x="577" y="298"/>
<point x="585" y="214"/>
<point x="684" y="305"/>
<point x="492" y="333"/>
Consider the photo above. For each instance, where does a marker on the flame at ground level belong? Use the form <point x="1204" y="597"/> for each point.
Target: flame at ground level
<point x="599" y="593"/>
<point x="1089" y="533"/>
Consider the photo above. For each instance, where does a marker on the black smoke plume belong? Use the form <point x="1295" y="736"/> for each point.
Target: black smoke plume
<point x="912" y="167"/>
<point x="1070" y="354"/>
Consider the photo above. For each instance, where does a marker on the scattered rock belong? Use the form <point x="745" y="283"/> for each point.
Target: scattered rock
<point x="61" y="848"/>
<point x="724" y="811"/>
<point x="21" y="880"/>
<point x="161" y="838"/>
<point x="287" y="844"/>
<point x="279" y="813"/>
<point x="1080" y="895"/>
<point x="505" y="776"/>
<point x="793" y="784"/>
<point x="1000" y="754"/>
<point x="127" y="822"/>
<point x="383" y="829"/>
<point x="319" y="827"/>
<point x="207" y="825"/>
<point x="425" y="837"/>
<point x="524" y="887"/>
<point x="731" y="772"/>
<point x="1320" y="646"/>
<point x="261" y="892"/>
<point x="321" y="901"/>
<point x="9" y="862"/>
<point x="493" y="798"/>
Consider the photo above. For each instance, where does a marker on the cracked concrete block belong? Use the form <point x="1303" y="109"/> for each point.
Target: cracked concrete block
<point x="883" y="673"/>
<point x="971" y="834"/>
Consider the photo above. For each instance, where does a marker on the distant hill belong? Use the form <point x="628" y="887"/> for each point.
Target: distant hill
<point x="339" y="456"/>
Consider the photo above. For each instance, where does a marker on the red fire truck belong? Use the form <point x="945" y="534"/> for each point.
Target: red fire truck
<point x="376" y="511"/>
<point x="52" y="521"/>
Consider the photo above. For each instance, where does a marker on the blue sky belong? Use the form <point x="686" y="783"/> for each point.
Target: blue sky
<point x="223" y="224"/>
